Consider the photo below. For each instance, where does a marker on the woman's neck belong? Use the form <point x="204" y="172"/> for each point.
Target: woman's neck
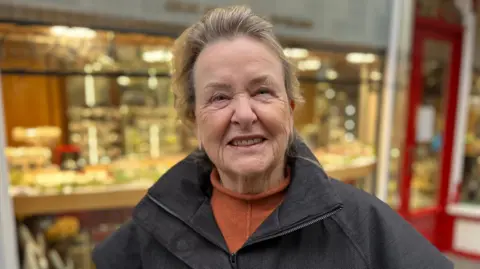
<point x="253" y="184"/>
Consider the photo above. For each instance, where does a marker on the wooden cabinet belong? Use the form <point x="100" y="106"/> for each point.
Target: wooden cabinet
<point x="33" y="100"/>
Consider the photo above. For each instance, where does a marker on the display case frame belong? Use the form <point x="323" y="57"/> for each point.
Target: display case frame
<point x="8" y="251"/>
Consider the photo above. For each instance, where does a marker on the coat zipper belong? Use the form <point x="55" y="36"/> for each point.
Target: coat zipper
<point x="233" y="256"/>
<point x="299" y="226"/>
<point x="233" y="260"/>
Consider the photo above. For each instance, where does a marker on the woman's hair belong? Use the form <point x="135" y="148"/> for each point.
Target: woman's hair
<point x="218" y="24"/>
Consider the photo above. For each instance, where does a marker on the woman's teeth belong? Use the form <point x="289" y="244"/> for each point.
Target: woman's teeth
<point x="247" y="142"/>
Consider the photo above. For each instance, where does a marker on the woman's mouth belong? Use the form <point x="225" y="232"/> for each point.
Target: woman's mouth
<point x="241" y="142"/>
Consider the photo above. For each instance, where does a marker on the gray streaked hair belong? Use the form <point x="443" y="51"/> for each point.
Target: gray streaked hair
<point x="222" y="23"/>
<point x="217" y="24"/>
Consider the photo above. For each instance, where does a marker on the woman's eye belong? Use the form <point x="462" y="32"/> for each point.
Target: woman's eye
<point x="219" y="97"/>
<point x="263" y="91"/>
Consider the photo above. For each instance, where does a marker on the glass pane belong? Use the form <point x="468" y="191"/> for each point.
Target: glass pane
<point x="470" y="192"/>
<point x="340" y="114"/>
<point x="430" y="124"/>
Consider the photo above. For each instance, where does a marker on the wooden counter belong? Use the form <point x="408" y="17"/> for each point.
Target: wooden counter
<point x="75" y="202"/>
<point x="125" y="197"/>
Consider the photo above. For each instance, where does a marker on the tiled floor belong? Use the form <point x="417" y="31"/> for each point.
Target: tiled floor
<point x="461" y="263"/>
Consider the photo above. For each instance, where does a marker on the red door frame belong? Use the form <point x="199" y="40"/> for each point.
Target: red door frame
<point x="426" y="28"/>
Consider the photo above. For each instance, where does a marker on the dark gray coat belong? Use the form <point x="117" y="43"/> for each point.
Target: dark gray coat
<point x="322" y="223"/>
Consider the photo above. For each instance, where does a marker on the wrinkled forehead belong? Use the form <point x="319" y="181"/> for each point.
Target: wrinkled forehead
<point x="241" y="59"/>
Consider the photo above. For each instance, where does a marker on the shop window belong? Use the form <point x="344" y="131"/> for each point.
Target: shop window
<point x="430" y="127"/>
<point x="470" y="188"/>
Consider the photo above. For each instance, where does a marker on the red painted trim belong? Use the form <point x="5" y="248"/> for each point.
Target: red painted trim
<point x="444" y="232"/>
<point x="438" y="26"/>
<point x="431" y="29"/>
<point x="427" y="28"/>
<point x="468" y="255"/>
<point x="420" y="213"/>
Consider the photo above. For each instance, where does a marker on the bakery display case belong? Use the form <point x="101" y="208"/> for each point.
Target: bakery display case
<point x="112" y="129"/>
<point x="120" y="120"/>
<point x="341" y="108"/>
<point x="119" y="108"/>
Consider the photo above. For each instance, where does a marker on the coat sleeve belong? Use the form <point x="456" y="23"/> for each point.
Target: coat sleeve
<point x="120" y="250"/>
<point x="383" y="237"/>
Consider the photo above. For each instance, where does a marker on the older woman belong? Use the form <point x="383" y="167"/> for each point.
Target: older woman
<point x="253" y="195"/>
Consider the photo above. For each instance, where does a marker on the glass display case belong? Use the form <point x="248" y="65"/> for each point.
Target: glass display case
<point x="119" y="106"/>
<point x="339" y="117"/>
<point x="120" y="132"/>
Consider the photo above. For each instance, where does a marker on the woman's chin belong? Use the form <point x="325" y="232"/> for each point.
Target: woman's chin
<point x="248" y="167"/>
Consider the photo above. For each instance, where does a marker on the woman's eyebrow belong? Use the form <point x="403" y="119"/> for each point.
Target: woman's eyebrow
<point x="218" y="86"/>
<point x="265" y="79"/>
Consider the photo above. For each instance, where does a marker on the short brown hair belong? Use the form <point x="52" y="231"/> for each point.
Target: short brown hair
<point x="221" y="23"/>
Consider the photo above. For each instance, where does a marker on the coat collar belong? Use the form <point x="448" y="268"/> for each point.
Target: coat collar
<point x="184" y="193"/>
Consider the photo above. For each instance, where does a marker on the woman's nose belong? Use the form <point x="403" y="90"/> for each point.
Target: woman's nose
<point x="243" y="114"/>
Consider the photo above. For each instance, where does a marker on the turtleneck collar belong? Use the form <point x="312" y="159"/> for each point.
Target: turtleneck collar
<point x="217" y="185"/>
<point x="238" y="215"/>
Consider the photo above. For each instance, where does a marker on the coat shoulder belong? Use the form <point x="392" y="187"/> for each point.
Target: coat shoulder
<point x="121" y="250"/>
<point x="384" y="238"/>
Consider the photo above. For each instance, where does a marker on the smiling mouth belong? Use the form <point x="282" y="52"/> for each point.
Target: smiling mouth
<point x="246" y="142"/>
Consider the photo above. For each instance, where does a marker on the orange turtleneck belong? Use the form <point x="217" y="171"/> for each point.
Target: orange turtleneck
<point x="239" y="215"/>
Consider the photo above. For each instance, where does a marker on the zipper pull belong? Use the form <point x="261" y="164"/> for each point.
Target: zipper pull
<point x="233" y="260"/>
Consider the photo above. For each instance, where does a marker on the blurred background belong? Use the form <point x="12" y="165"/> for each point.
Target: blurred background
<point x="87" y="124"/>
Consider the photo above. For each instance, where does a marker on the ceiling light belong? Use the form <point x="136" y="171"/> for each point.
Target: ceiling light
<point x="74" y="32"/>
<point x="360" y="58"/>
<point x="296" y="53"/>
<point x="309" y="65"/>
<point x="157" y="56"/>
<point x="331" y="74"/>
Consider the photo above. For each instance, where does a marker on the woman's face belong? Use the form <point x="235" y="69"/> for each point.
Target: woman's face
<point x="243" y="116"/>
